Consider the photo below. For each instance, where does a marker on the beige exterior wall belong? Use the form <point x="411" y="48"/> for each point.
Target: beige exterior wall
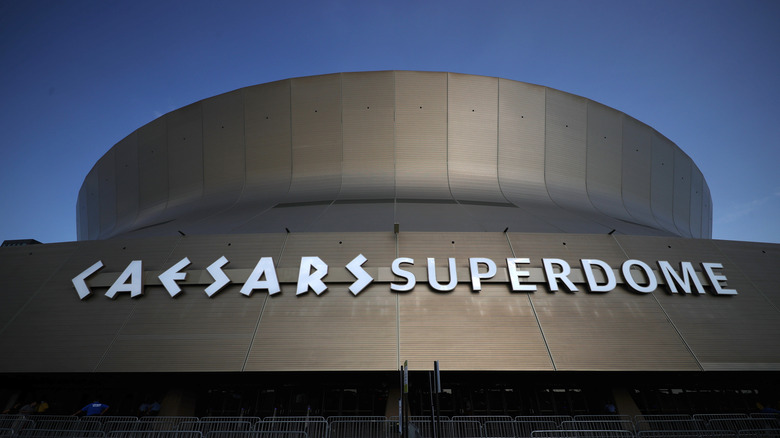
<point x="44" y="327"/>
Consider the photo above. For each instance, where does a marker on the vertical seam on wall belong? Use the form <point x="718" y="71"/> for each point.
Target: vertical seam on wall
<point x="498" y="141"/>
<point x="395" y="151"/>
<point x="447" y="134"/>
<point x="262" y="307"/>
<point x="397" y="313"/>
<point x="666" y="315"/>
<point x="34" y="294"/>
<point x="132" y="311"/>
<point x="292" y="144"/>
<point x="533" y="310"/>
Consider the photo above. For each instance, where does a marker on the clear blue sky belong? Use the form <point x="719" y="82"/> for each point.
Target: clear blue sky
<point x="78" y="76"/>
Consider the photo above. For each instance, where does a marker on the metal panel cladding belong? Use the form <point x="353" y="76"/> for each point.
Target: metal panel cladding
<point x="365" y="150"/>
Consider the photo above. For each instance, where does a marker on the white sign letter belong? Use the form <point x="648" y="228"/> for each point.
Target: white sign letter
<point x="715" y="279"/>
<point x="410" y="280"/>
<point x="313" y="280"/>
<point x="476" y="276"/>
<point x="514" y="275"/>
<point x="355" y="267"/>
<point x="80" y="284"/>
<point x="169" y="277"/>
<point x="271" y="283"/>
<point x="587" y="267"/>
<point x="220" y="279"/>
<point x="652" y="283"/>
<point x="688" y="276"/>
<point x="135" y="274"/>
<point x="432" y="276"/>
<point x="553" y="277"/>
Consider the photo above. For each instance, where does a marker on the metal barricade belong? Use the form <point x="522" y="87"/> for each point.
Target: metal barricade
<point x="582" y="434"/>
<point x="314" y="427"/>
<point x="759" y="433"/>
<point x="63" y="423"/>
<point x="525" y="427"/>
<point x="602" y="417"/>
<point x="162" y="422"/>
<point x="461" y="429"/>
<point x="155" y="434"/>
<point x="686" y="433"/>
<point x="743" y="423"/>
<point x="689" y="424"/>
<point x="482" y="418"/>
<point x="558" y="419"/>
<point x="709" y="417"/>
<point x="110" y="426"/>
<point x="499" y="429"/>
<point x="60" y="433"/>
<point x="207" y="426"/>
<point x="256" y="434"/>
<point x="626" y="425"/>
<point x="365" y="427"/>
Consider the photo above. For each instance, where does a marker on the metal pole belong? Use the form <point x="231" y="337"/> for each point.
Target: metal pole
<point x="401" y="401"/>
<point x="406" y="398"/>
<point x="437" y="388"/>
<point x="433" y="409"/>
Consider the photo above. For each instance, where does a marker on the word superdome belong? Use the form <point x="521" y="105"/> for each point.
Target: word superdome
<point x="596" y="275"/>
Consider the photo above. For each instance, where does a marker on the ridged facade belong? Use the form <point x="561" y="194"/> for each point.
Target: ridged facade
<point x="363" y="151"/>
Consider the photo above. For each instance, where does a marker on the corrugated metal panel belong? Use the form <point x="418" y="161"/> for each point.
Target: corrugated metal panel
<point x="185" y="154"/>
<point x="92" y="184"/>
<point x="441" y="246"/>
<point x="433" y="216"/>
<point x="107" y="192"/>
<point x="682" y="193"/>
<point x="662" y="190"/>
<point x="638" y="153"/>
<point x="361" y="216"/>
<point x="127" y="182"/>
<point x="752" y="259"/>
<point x="82" y="227"/>
<point x="268" y="143"/>
<point x="294" y="217"/>
<point x="497" y="218"/>
<point x="23" y="271"/>
<point x="614" y="331"/>
<point x="223" y="148"/>
<point x="605" y="160"/>
<point x="338" y="249"/>
<point x="57" y="332"/>
<point x="570" y="247"/>
<point x="726" y="332"/>
<point x="564" y="164"/>
<point x="334" y="331"/>
<point x="521" y="142"/>
<point x="162" y="334"/>
<point x="697" y="194"/>
<point x="153" y="171"/>
<point x="707" y="211"/>
<point x="472" y="138"/>
<point x="316" y="138"/>
<point x="369" y="124"/>
<point x="493" y="330"/>
<point x="421" y="135"/>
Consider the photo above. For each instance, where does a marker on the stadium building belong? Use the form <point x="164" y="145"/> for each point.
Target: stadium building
<point x="284" y="248"/>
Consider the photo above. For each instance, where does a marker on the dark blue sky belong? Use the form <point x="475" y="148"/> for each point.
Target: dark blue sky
<point x="78" y="76"/>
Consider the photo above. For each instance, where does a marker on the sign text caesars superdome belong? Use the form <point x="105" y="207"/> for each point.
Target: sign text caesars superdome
<point x="402" y="275"/>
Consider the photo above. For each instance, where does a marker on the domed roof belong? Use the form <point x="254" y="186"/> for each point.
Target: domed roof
<point x="429" y="151"/>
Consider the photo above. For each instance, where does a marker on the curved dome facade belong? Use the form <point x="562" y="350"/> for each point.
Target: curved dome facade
<point x="364" y="151"/>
